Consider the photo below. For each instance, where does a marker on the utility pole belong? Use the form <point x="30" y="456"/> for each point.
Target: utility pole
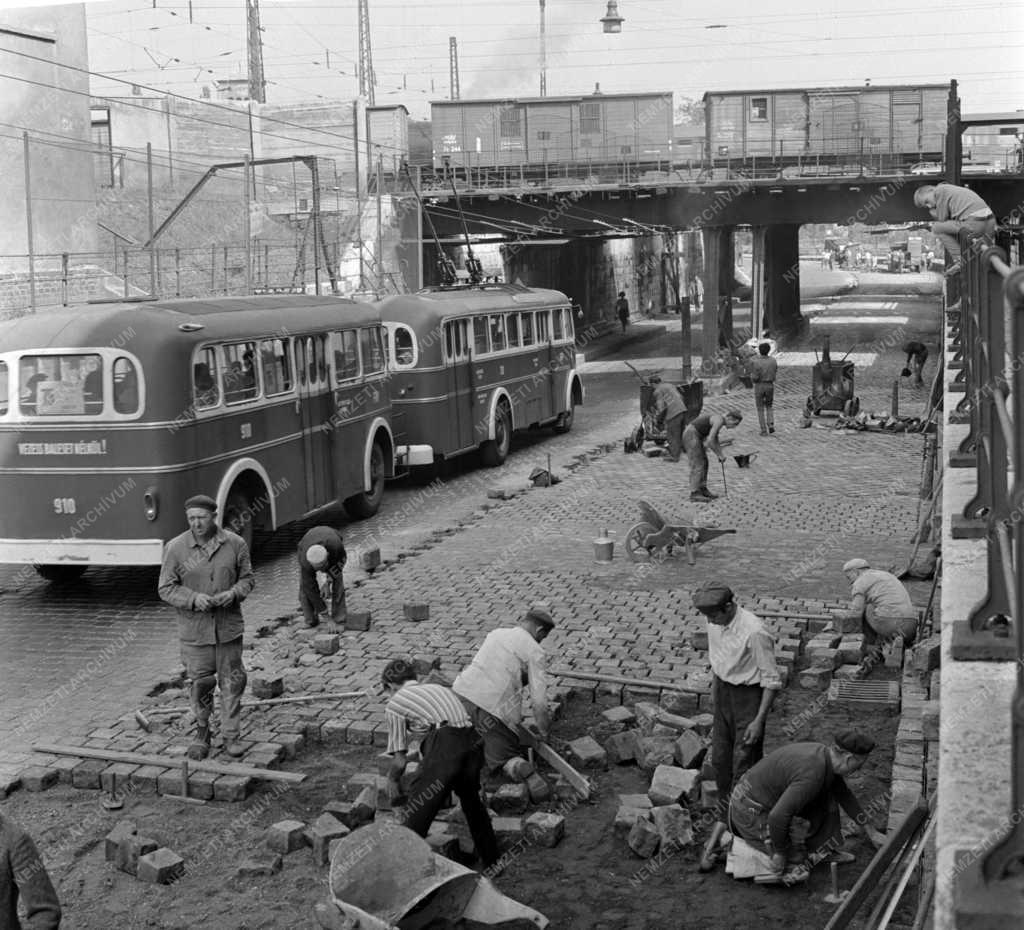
<point x="380" y="224"/>
<point x="453" y="67"/>
<point x="28" y="224"/>
<point x="257" y="83"/>
<point x="543" y="55"/>
<point x="367" y="79"/>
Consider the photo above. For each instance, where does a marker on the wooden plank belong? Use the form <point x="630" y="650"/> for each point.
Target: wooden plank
<point x="580" y="783"/>
<point x="868" y="882"/>
<point x="220" y="768"/>
<point x="652" y="684"/>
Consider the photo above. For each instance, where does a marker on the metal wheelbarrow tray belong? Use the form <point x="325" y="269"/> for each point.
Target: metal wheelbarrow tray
<point x="653" y="539"/>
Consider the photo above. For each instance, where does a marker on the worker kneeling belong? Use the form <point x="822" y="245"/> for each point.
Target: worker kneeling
<point x="802" y="780"/>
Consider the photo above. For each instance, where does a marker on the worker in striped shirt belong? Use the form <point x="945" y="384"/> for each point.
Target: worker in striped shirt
<point x="452" y="754"/>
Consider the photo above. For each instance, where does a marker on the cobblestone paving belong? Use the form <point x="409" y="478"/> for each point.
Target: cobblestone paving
<point x="812" y="499"/>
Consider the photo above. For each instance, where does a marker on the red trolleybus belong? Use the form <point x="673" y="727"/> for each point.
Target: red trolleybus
<point x="112" y="416"/>
<point x="469" y="365"/>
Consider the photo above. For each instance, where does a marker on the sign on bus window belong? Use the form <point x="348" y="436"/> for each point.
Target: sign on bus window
<point x="372" y="350"/>
<point x="4" y="389"/>
<point x="527" y="324"/>
<point x="512" y="331"/>
<point x="481" y="342"/>
<point x="61" y="385"/>
<point x="205" y="380"/>
<point x="126" y="386"/>
<point x="497" y="331"/>
<point x="241" y="380"/>
<point x="276" y="364"/>
<point x="346" y="355"/>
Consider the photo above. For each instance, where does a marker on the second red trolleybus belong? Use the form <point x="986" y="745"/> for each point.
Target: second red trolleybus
<point x="471" y="364"/>
<point x="111" y="416"/>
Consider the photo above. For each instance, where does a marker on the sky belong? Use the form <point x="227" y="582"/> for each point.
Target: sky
<point x="310" y="47"/>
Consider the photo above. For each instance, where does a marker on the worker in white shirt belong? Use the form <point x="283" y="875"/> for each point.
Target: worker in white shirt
<point x="492" y="689"/>
<point x="746" y="679"/>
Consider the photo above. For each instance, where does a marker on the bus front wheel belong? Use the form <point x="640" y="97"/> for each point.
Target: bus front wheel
<point x="61" y="574"/>
<point x="366" y="504"/>
<point x="494" y="452"/>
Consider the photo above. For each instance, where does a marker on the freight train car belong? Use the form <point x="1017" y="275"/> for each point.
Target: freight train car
<point x="881" y="128"/>
<point x="543" y="136"/>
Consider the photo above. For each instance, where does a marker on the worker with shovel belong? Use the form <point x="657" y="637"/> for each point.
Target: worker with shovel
<point x="698" y="437"/>
<point x="322" y="558"/>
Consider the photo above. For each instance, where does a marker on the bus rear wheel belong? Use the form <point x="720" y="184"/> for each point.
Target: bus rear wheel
<point x="61" y="574"/>
<point x="238" y="516"/>
<point x="494" y="452"/>
<point x="366" y="504"/>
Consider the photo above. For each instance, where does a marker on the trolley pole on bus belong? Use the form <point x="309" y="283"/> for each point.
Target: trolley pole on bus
<point x="149" y="198"/>
<point x="28" y="223"/>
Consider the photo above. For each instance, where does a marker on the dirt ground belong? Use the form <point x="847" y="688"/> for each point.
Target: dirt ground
<point x="590" y="881"/>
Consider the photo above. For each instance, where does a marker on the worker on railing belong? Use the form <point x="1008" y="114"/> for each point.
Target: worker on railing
<point x="955" y="208"/>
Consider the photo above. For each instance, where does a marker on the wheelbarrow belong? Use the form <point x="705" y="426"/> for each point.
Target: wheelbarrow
<point x="385" y="877"/>
<point x="652" y="539"/>
<point x="649" y="429"/>
<point x="832" y="386"/>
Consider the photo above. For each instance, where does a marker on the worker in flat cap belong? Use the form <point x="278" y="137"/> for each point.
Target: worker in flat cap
<point x="882" y="605"/>
<point x="492" y="686"/>
<point x="451" y="752"/>
<point x="206" y="574"/>
<point x="698" y="437"/>
<point x="804" y="780"/>
<point x="744" y="684"/>
<point x="322" y="557"/>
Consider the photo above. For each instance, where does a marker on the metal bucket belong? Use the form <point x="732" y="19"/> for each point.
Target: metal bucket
<point x="603" y="548"/>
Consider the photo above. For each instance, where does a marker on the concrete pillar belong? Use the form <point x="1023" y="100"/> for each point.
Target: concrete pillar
<point x="781" y="307"/>
<point x="758" y="281"/>
<point x="719" y="277"/>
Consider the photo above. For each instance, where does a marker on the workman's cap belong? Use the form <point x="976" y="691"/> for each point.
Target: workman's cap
<point x="316" y="555"/>
<point x="539" y="614"/>
<point x="712" y="595"/>
<point x="397" y="671"/>
<point x="855" y="564"/>
<point x="860" y="744"/>
<point x="734" y="414"/>
<point x="201" y="500"/>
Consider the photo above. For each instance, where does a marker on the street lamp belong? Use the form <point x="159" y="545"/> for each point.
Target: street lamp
<point x="611" y="19"/>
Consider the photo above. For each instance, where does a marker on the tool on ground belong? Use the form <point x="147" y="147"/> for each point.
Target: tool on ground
<point x="579" y="783"/>
<point x="725" y="484"/>
<point x="835" y="896"/>
<point x="745" y="461"/>
<point x="652" y="538"/>
<point x="184" y="796"/>
<point x="143" y="719"/>
<point x="111" y="801"/>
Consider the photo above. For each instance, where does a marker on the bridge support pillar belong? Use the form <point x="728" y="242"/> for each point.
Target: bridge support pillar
<point x="776" y="280"/>
<point x="719" y="261"/>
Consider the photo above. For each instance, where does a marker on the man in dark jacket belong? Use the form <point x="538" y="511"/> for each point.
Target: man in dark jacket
<point x="622" y="309"/>
<point x="23" y="877"/>
<point x="321" y="560"/>
<point x="917" y="355"/>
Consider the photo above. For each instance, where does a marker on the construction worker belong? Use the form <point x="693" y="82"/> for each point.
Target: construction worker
<point x="763" y="371"/>
<point x="917" y="355"/>
<point x="24" y="883"/>
<point x="698" y="437"/>
<point x="746" y="680"/>
<point x="802" y="780"/>
<point x="668" y="406"/>
<point x="884" y="608"/>
<point x="322" y="557"/>
<point x="955" y="208"/>
<point x="206" y="574"/>
<point x="451" y="754"/>
<point x="492" y="689"/>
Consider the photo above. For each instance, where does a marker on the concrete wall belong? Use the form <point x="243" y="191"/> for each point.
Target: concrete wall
<point x="54" y="110"/>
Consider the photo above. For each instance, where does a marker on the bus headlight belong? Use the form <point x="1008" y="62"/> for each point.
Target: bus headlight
<point x="152" y="503"/>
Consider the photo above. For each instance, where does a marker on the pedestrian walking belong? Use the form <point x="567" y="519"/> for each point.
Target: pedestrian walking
<point x="917" y="355"/>
<point x="803" y="780"/>
<point x="955" y="208"/>
<point x="667" y="406"/>
<point x="492" y="688"/>
<point x="322" y="558"/>
<point x="451" y="752"/>
<point x="744" y="684"/>
<point x="206" y="574"/>
<point x="25" y="885"/>
<point x="698" y="437"/>
<point x="763" y="371"/>
<point x="622" y="309"/>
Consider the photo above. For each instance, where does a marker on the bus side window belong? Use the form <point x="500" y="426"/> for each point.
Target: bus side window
<point x="126" y="386"/>
<point x="317" y="357"/>
<point x="346" y="355"/>
<point x="275" y="361"/>
<point x="205" y="391"/>
<point x="527" y="323"/>
<point x="569" y="330"/>
<point x="556" y="321"/>
<point x="481" y="343"/>
<point x="497" y="331"/>
<point x="512" y="328"/>
<point x="543" y="326"/>
<point x="405" y="347"/>
<point x="372" y="350"/>
<point x="5" y="390"/>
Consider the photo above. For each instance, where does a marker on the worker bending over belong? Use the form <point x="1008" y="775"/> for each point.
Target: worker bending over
<point x="698" y="437"/>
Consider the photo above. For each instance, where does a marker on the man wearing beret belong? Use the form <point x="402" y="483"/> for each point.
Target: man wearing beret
<point x="321" y="560"/>
<point x="883" y="607"/>
<point x="746" y="680"/>
<point x="492" y="686"/>
<point x="802" y="780"/>
<point x="206" y="574"/>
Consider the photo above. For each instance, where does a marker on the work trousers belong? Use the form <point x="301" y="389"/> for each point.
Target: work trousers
<point x="452" y="761"/>
<point x="674" y="432"/>
<point x="948" y="231"/>
<point x="500" y="743"/>
<point x="872" y="645"/>
<point x="693" y="445"/>
<point x="764" y="400"/>
<point x="209" y="666"/>
<point x="312" y="602"/>
<point x="749" y="820"/>
<point x="736" y="706"/>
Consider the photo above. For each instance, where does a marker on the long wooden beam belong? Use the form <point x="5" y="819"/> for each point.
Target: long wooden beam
<point x="136" y="758"/>
<point x="580" y="783"/>
<point x="651" y="684"/>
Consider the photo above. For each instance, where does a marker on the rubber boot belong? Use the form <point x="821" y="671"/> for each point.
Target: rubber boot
<point x="200" y="747"/>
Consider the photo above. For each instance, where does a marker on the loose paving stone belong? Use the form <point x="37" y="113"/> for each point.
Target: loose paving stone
<point x="641" y="801"/>
<point x="816" y="678"/>
<point x="358" y="621"/>
<point x="588" y="753"/>
<point x="625" y="817"/>
<point x="39" y="778"/>
<point x="539" y="788"/>
<point x="688" y="747"/>
<point x="87" y="773"/>
<point x="544" y="829"/>
<point x="703" y="723"/>
<point x="324" y="830"/>
<point x="286" y="836"/>
<point x="930" y="720"/>
<point x="621" y="715"/>
<point x="653" y="751"/>
<point x="510" y="799"/>
<point x="644" y="837"/>
<point x="265" y="688"/>
<point x="708" y="795"/>
<point x="646" y="716"/>
<point x="622" y="747"/>
<point x="670" y="783"/>
<point x="507" y="830"/>
<point x="130" y="849"/>
<point x="416" y="612"/>
<point x="161" y="867"/>
<point x="674" y="827"/>
<point x="112" y="842"/>
<point x="364" y="808"/>
<point x="927" y="654"/>
<point x="326" y="644"/>
<point x="259" y="865"/>
<point x="232" y="788"/>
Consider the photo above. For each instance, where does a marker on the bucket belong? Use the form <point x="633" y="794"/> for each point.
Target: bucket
<point x="745" y="461"/>
<point x="603" y="547"/>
